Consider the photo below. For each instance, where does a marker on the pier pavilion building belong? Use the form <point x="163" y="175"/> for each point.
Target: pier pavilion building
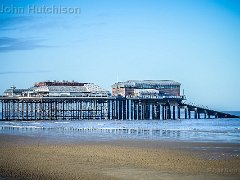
<point x="60" y="89"/>
<point x="13" y="91"/>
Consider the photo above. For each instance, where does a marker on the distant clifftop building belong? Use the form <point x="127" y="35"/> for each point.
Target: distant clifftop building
<point x="136" y="88"/>
<point x="61" y="88"/>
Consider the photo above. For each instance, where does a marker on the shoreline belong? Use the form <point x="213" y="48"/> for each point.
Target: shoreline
<point x="113" y="159"/>
<point x="202" y="130"/>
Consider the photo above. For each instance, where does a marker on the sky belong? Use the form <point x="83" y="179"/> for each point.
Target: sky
<point x="196" y="43"/>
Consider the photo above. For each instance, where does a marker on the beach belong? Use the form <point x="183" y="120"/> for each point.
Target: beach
<point x="23" y="157"/>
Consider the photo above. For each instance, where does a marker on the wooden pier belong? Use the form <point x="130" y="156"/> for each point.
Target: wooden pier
<point x="118" y="108"/>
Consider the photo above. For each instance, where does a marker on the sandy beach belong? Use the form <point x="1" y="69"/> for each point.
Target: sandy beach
<point x="38" y="158"/>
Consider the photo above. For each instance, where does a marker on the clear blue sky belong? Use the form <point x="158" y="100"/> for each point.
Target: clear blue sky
<point x="196" y="43"/>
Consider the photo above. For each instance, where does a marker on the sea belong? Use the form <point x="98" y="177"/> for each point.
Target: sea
<point x="189" y="130"/>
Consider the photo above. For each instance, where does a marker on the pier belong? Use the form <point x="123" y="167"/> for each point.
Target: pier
<point x="108" y="108"/>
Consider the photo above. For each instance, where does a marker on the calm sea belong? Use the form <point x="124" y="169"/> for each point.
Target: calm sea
<point x="194" y="130"/>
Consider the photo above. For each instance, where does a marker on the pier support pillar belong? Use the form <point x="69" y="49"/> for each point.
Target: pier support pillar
<point x="142" y="114"/>
<point x="179" y="112"/>
<point x="127" y="109"/>
<point x="137" y="110"/>
<point x="174" y="112"/>
<point x="195" y="114"/>
<point x="163" y="112"/>
<point x="158" y="110"/>
<point x="169" y="111"/>
<point x="150" y="111"/>
<point x="186" y="111"/>
<point x="2" y="110"/>
<point x="108" y="108"/>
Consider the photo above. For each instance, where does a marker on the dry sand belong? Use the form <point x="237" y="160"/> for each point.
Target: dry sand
<point x="34" y="158"/>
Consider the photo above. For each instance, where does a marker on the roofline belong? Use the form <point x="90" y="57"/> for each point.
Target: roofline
<point x="147" y="81"/>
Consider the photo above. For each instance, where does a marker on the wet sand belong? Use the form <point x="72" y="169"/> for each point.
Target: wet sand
<point x="38" y="158"/>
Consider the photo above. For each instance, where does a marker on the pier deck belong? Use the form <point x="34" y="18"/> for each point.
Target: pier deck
<point x="120" y="108"/>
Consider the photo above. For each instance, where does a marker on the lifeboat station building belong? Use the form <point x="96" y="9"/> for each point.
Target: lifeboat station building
<point x="146" y="88"/>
